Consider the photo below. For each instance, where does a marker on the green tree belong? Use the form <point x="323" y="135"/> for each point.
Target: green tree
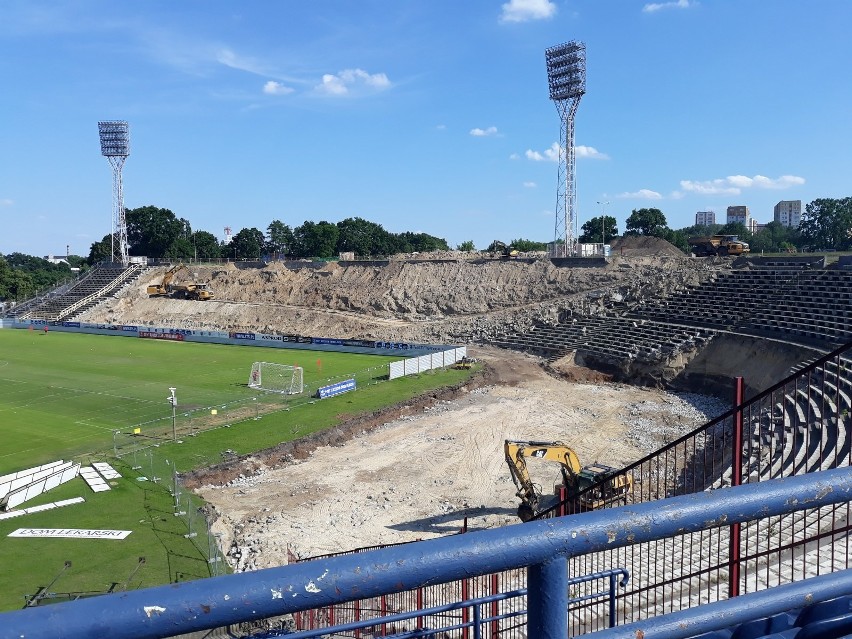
<point x="279" y="239"/>
<point x="593" y="228"/>
<point x="409" y="242"/>
<point x="315" y="239"/>
<point x="827" y="223"/>
<point x="153" y="231"/>
<point x="247" y="244"/>
<point x="677" y="238"/>
<point x="181" y="249"/>
<point x="529" y="245"/>
<point x="363" y="237"/>
<point x="100" y="251"/>
<point x="466" y="246"/>
<point x="646" y="222"/>
<point x="205" y="246"/>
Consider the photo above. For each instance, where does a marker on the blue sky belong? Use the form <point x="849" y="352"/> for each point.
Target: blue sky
<point x="424" y="115"/>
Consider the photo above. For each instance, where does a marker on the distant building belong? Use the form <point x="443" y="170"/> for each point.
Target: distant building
<point x="705" y="218"/>
<point x="738" y="215"/>
<point x="789" y="213"/>
<point x="755" y="227"/>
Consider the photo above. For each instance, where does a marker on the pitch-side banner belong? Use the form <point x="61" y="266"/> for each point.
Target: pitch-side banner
<point x="70" y="533"/>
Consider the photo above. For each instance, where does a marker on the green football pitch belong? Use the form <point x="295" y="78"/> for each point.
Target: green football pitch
<point x="66" y="395"/>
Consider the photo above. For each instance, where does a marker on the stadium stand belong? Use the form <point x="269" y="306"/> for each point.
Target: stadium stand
<point x="788" y="300"/>
<point x="99" y="283"/>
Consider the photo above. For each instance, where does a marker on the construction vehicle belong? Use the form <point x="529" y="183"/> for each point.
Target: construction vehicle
<point x="609" y="486"/>
<point x="464" y="364"/>
<point x="718" y="245"/>
<point x="191" y="290"/>
<point x="506" y="252"/>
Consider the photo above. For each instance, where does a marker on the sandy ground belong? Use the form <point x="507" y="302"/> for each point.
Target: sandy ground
<point x="420" y="476"/>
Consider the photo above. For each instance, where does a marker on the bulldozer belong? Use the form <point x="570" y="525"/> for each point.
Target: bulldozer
<point x="610" y="486"/>
<point x="190" y="291"/>
<point x="718" y="245"/>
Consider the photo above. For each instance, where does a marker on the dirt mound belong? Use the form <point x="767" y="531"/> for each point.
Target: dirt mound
<point x="645" y="246"/>
<point x="447" y="300"/>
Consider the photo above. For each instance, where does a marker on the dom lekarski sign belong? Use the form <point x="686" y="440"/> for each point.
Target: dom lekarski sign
<point x="70" y="533"/>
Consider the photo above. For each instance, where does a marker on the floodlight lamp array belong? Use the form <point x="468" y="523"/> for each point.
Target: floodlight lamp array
<point x="115" y="138"/>
<point x="566" y="70"/>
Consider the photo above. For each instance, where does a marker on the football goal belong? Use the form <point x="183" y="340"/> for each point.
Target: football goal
<point x="276" y="378"/>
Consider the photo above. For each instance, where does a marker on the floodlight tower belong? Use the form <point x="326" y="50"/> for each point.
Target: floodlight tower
<point x="115" y="147"/>
<point x="566" y="78"/>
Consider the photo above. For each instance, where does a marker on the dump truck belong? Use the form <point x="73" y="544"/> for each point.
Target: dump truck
<point x="190" y="290"/>
<point x="717" y="245"/>
<point x="610" y="486"/>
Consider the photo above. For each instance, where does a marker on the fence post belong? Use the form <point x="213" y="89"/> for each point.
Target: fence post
<point x="495" y="606"/>
<point x="465" y="596"/>
<point x="547" y="599"/>
<point x="736" y="480"/>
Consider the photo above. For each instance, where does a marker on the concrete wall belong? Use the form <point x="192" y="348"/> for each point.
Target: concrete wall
<point x="761" y="362"/>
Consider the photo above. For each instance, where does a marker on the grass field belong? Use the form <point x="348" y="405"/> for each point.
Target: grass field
<point x="64" y="395"/>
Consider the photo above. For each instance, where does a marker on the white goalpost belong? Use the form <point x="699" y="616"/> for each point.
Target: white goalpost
<point x="276" y="378"/>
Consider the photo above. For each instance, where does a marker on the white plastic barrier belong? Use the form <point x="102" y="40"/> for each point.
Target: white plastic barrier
<point x="91" y="477"/>
<point x="15" y="480"/>
<point x="36" y="509"/>
<point x="424" y="363"/>
<point x="41" y="482"/>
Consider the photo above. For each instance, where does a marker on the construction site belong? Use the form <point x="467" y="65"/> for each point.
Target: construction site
<point x="624" y="369"/>
<point x="617" y="357"/>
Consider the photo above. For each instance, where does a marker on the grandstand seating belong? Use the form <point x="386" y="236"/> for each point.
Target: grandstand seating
<point x="98" y="284"/>
<point x="791" y="301"/>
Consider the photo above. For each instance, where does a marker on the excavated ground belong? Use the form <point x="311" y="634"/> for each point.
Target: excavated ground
<point x="421" y="474"/>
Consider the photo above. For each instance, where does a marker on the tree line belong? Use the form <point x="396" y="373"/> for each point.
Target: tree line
<point x="158" y="233"/>
<point x="826" y="225"/>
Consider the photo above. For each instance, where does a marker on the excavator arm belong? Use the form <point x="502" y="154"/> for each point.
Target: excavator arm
<point x="517" y="453"/>
<point x="163" y="287"/>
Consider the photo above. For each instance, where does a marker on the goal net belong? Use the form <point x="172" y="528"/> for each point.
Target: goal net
<point x="276" y="378"/>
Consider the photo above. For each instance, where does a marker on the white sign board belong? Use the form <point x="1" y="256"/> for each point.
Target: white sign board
<point x="70" y="533"/>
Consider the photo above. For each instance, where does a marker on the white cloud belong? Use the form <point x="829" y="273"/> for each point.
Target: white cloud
<point x="348" y="79"/>
<point x="276" y="88"/>
<point x="734" y="184"/>
<point x="675" y="4"/>
<point x="514" y="156"/>
<point x="549" y="155"/>
<point x="641" y="194"/>
<point x="6" y="202"/>
<point x="552" y="154"/>
<point x="530" y="185"/>
<point x="484" y="133"/>
<point x="589" y="152"/>
<point x="234" y="61"/>
<point x="441" y="127"/>
<point x="526" y="10"/>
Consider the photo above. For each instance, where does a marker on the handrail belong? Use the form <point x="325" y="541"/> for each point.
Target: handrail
<point x="541" y="546"/>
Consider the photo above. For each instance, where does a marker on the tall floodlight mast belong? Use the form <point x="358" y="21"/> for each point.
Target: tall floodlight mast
<point x="566" y="77"/>
<point x="115" y="147"/>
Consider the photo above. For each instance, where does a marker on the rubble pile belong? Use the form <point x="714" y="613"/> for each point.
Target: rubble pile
<point x="439" y="300"/>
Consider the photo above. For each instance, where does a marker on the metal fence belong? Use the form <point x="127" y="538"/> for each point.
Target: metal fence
<point x="541" y="548"/>
<point x="799" y="426"/>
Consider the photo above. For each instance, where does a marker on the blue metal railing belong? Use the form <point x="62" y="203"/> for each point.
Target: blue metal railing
<point x="542" y="546"/>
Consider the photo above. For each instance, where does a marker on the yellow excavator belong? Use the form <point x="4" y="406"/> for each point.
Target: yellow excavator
<point x="611" y="486"/>
<point x="190" y="291"/>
